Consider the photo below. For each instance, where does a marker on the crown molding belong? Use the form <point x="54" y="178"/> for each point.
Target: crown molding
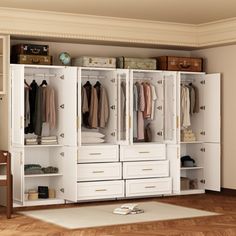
<point x="217" y="33"/>
<point x="86" y="27"/>
<point x="32" y="23"/>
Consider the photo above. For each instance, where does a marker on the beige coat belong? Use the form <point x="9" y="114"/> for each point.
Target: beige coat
<point x="103" y="111"/>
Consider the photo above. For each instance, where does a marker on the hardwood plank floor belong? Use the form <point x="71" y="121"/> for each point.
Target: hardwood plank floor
<point x="224" y="224"/>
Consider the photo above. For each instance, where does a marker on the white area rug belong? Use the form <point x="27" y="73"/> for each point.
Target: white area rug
<point x="95" y="216"/>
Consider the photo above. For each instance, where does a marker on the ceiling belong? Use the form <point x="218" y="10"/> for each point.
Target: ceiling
<point x="179" y="11"/>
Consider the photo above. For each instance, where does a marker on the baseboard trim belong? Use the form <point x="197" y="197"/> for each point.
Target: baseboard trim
<point x="224" y="191"/>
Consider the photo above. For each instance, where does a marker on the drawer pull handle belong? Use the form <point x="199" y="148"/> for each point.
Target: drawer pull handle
<point x="147" y="169"/>
<point x="95" y="153"/>
<point x="152" y="186"/>
<point x="143" y="152"/>
<point x="98" y="171"/>
<point x="101" y="190"/>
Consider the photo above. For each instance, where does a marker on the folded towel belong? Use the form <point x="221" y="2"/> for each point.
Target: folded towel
<point x="92" y="140"/>
<point x="92" y="134"/>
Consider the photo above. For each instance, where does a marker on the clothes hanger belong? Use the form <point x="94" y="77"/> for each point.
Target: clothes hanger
<point x="27" y="85"/>
<point x="98" y="84"/>
<point x="87" y="84"/>
<point x="44" y="83"/>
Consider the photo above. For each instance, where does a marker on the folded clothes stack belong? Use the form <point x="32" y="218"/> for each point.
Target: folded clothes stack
<point x="89" y="137"/>
<point x="33" y="169"/>
<point x="36" y="169"/>
<point x="187" y="136"/>
<point x="49" y="140"/>
<point x="31" y="141"/>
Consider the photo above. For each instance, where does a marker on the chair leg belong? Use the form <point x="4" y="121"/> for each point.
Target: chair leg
<point x="9" y="198"/>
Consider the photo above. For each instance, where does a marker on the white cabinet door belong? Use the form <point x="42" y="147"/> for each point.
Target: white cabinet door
<point x="170" y="112"/>
<point x="212" y="101"/>
<point x="65" y="86"/>
<point x="212" y="166"/>
<point x="17" y="106"/>
<point x="173" y="155"/>
<point x="67" y="164"/>
<point x="70" y="109"/>
<point x="123" y="106"/>
<point x="18" y="174"/>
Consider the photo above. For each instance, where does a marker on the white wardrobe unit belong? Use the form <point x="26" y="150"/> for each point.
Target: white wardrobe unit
<point x="146" y="168"/>
<point x="62" y="155"/>
<point x="206" y="125"/>
<point x="99" y="170"/>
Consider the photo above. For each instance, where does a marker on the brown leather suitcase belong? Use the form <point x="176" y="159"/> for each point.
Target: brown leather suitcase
<point x="34" y="59"/>
<point x="180" y="63"/>
<point x="30" y="49"/>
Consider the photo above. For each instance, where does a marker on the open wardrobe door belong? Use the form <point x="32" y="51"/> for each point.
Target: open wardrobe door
<point x="17" y="105"/>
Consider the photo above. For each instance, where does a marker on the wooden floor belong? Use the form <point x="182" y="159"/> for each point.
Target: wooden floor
<point x="224" y="224"/>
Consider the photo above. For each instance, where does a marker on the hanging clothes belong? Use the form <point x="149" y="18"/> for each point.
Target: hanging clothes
<point x="123" y="109"/>
<point x="185" y="107"/>
<point x="154" y="98"/>
<point x="141" y="107"/>
<point x="87" y="88"/>
<point x="103" y="107"/>
<point x="50" y="108"/>
<point x="38" y="115"/>
<point x="93" y="110"/>
<point x="27" y="107"/>
<point x="148" y="133"/>
<point x="196" y="107"/>
<point x="135" y="111"/>
<point x="32" y="99"/>
<point x="84" y="102"/>
<point x="148" y="100"/>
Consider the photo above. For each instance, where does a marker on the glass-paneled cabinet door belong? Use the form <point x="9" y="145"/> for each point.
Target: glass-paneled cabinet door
<point x="170" y="111"/>
<point x="123" y="106"/>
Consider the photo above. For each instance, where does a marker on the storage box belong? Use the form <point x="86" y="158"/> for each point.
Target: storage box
<point x="180" y="63"/>
<point x="30" y="49"/>
<point x="136" y="63"/>
<point x="104" y="62"/>
<point x="34" y="59"/>
<point x="184" y="183"/>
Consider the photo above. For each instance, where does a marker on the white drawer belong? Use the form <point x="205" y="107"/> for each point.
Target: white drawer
<point x="148" y="187"/>
<point x="101" y="171"/>
<point x="143" y="152"/>
<point x="97" y="153"/>
<point x="100" y="190"/>
<point x="145" y="169"/>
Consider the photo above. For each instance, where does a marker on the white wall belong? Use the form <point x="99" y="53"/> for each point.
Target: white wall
<point x="223" y="60"/>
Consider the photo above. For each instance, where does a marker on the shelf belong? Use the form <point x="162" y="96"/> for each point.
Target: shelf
<point x="192" y="191"/>
<point x="41" y="202"/>
<point x="43" y="175"/>
<point x="193" y="142"/>
<point x="42" y="146"/>
<point x="3" y="164"/>
<point x="3" y="177"/>
<point x="192" y="168"/>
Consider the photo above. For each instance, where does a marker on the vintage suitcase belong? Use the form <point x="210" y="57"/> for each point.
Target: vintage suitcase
<point x="30" y="49"/>
<point x="34" y="59"/>
<point x="104" y="62"/>
<point x="180" y="63"/>
<point x="136" y="63"/>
